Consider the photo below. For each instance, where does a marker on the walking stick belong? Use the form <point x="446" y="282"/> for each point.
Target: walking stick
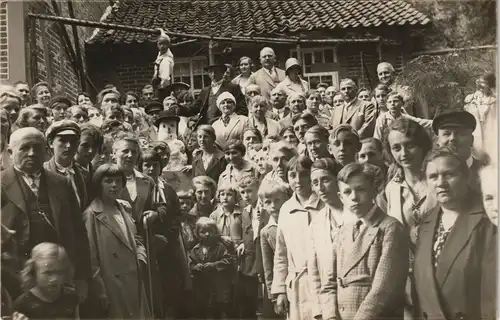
<point x="148" y="262"/>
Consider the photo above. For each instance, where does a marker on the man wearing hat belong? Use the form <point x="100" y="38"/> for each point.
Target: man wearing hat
<point x="63" y="138"/>
<point x="152" y="110"/>
<point x="40" y="206"/>
<point x="267" y="77"/>
<point x="206" y="104"/>
<point x="164" y="66"/>
<point x="455" y="129"/>
<point x="355" y="112"/>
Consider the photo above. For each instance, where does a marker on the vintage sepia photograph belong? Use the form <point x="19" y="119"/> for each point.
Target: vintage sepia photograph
<point x="249" y="159"/>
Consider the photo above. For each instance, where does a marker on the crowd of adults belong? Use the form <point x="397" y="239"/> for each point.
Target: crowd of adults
<point x="325" y="203"/>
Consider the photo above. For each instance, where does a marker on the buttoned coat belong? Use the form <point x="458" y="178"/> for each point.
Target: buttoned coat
<point x="452" y="290"/>
<point x="234" y="130"/>
<point x="322" y="234"/>
<point x="215" y="167"/>
<point x="82" y="178"/>
<point x="369" y="273"/>
<point x="201" y="104"/>
<point x="66" y="217"/>
<point x="263" y="79"/>
<point x="290" y="257"/>
<point x="357" y="113"/>
<point x="115" y="262"/>
<point x="290" y="87"/>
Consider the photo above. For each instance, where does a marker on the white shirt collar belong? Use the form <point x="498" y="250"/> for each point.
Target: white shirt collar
<point x="470" y="161"/>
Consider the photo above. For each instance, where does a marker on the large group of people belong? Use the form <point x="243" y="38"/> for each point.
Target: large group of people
<point x="305" y="203"/>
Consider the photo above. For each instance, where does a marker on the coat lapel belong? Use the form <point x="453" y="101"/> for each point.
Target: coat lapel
<point x="457" y="239"/>
<point x="215" y="160"/>
<point x="362" y="242"/>
<point x="267" y="77"/>
<point x="110" y="223"/>
<point x="54" y="199"/>
<point x="352" y="108"/>
<point x="12" y="189"/>
<point x="233" y="123"/>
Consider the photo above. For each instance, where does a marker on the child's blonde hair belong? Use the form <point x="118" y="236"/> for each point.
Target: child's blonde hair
<point x="45" y="250"/>
<point x="228" y="187"/>
<point x="272" y="189"/>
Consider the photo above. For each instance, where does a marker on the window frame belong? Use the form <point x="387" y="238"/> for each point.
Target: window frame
<point x="191" y="74"/>
<point x="333" y="74"/>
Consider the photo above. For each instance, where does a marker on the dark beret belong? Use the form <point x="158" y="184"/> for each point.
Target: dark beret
<point x="461" y="119"/>
<point x="62" y="127"/>
<point x="165" y="116"/>
<point x="59" y="99"/>
<point x="180" y="85"/>
<point x="153" y="105"/>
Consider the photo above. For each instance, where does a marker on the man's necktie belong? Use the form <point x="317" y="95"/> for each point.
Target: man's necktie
<point x="357" y="228"/>
<point x="274" y="76"/>
<point x="32" y="184"/>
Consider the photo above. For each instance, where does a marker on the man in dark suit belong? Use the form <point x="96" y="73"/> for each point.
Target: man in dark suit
<point x="39" y="206"/>
<point x="63" y="138"/>
<point x="205" y="105"/>
<point x="455" y="129"/>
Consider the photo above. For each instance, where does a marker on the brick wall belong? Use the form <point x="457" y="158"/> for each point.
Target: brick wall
<point x="4" y="54"/>
<point x="49" y="55"/>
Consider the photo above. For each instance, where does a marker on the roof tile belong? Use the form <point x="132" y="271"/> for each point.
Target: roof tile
<point x="253" y="17"/>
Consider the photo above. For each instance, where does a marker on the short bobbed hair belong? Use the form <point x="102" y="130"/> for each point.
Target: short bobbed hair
<point x="104" y="171"/>
<point x="204" y="181"/>
<point x="370" y="173"/>
<point x="299" y="164"/>
<point x="446" y="152"/>
<point x="328" y="165"/>
<point x="205" y="223"/>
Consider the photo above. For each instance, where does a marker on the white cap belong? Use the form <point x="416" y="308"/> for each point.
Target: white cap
<point x="225" y="95"/>
<point x="385" y="66"/>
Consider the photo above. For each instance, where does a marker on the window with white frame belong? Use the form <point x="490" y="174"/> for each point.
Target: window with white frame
<point x="318" y="65"/>
<point x="192" y="72"/>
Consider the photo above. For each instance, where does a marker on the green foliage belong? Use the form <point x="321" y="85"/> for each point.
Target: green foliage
<point x="442" y="82"/>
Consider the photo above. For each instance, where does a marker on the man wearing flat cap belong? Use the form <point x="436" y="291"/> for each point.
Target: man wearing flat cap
<point x="152" y="110"/>
<point x="206" y="104"/>
<point x="40" y="206"/>
<point x="357" y="113"/>
<point x="63" y="138"/>
<point x="455" y="129"/>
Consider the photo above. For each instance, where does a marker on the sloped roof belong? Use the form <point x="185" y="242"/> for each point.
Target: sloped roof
<point x="254" y="17"/>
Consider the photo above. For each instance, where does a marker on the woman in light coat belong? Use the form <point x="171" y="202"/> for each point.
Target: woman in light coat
<point x="293" y="82"/>
<point x="230" y="125"/>
<point x="117" y="251"/>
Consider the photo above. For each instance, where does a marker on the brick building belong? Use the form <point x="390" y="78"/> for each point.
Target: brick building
<point x="35" y="50"/>
<point x="126" y="58"/>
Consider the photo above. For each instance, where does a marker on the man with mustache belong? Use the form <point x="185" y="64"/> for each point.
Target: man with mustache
<point x="268" y="77"/>
<point x="455" y="129"/>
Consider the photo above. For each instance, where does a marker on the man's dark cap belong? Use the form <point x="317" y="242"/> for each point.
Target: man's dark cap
<point x="216" y="65"/>
<point x="461" y="119"/>
<point x="153" y="105"/>
<point x="166" y="116"/>
<point x="62" y="127"/>
<point x="180" y="85"/>
<point x="59" y="99"/>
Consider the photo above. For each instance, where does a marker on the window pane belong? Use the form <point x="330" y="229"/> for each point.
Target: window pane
<point x="308" y="69"/>
<point x="314" y="81"/>
<point x="329" y="56"/>
<point x="307" y="59"/>
<point x="318" y="56"/>
<point x="327" y="79"/>
<point x="197" y="82"/>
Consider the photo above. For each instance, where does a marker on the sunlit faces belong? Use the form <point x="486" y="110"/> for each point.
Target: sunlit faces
<point x="86" y="150"/>
<point x="385" y="76"/>
<point x="111" y="186"/>
<point x="369" y="153"/>
<point x="151" y="168"/>
<point x="394" y="105"/>
<point x="248" y="194"/>
<point x="114" y="114"/>
<point x="64" y="148"/>
<point x="296" y="104"/>
<point x="227" y="107"/>
<point x="344" y="147"/>
<point x="278" y="161"/>
<point x="273" y="203"/>
<point x="380" y="97"/>
<point x="489" y="190"/>
<point x="348" y="89"/>
<point x="324" y="184"/>
<point x="59" y="110"/>
<point x="316" y="145"/>
<point x="259" y="110"/>
<point x="322" y="91"/>
<point x="204" y="195"/>
<point x="249" y="138"/>
<point x="110" y="100"/>
<point x="252" y="91"/>
<point x="227" y="197"/>
<point x="357" y="195"/>
<point x="147" y="93"/>
<point x="244" y="66"/>
<point x="169" y="102"/>
<point x="329" y="93"/>
<point x="50" y="275"/>
<point x="37" y="118"/>
<point x="300" y="182"/>
<point x="78" y="115"/>
<point x="83" y="100"/>
<point x="234" y="157"/>
<point x="126" y="154"/>
<point x="405" y="150"/>
<point x="457" y="137"/>
<point x="446" y="180"/>
<point x="290" y="137"/>
<point x="364" y="95"/>
<point x="260" y="160"/>
<point x="338" y="101"/>
<point x="267" y="58"/>
<point x="300" y="128"/>
<point x="28" y="153"/>
<point x="163" y="45"/>
<point x="278" y="99"/>
<point x="205" y="140"/>
<point x="43" y="95"/>
<point x="313" y="102"/>
<point x="24" y="92"/>
<point x="12" y="106"/>
<point x="185" y="205"/>
<point x="131" y="101"/>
